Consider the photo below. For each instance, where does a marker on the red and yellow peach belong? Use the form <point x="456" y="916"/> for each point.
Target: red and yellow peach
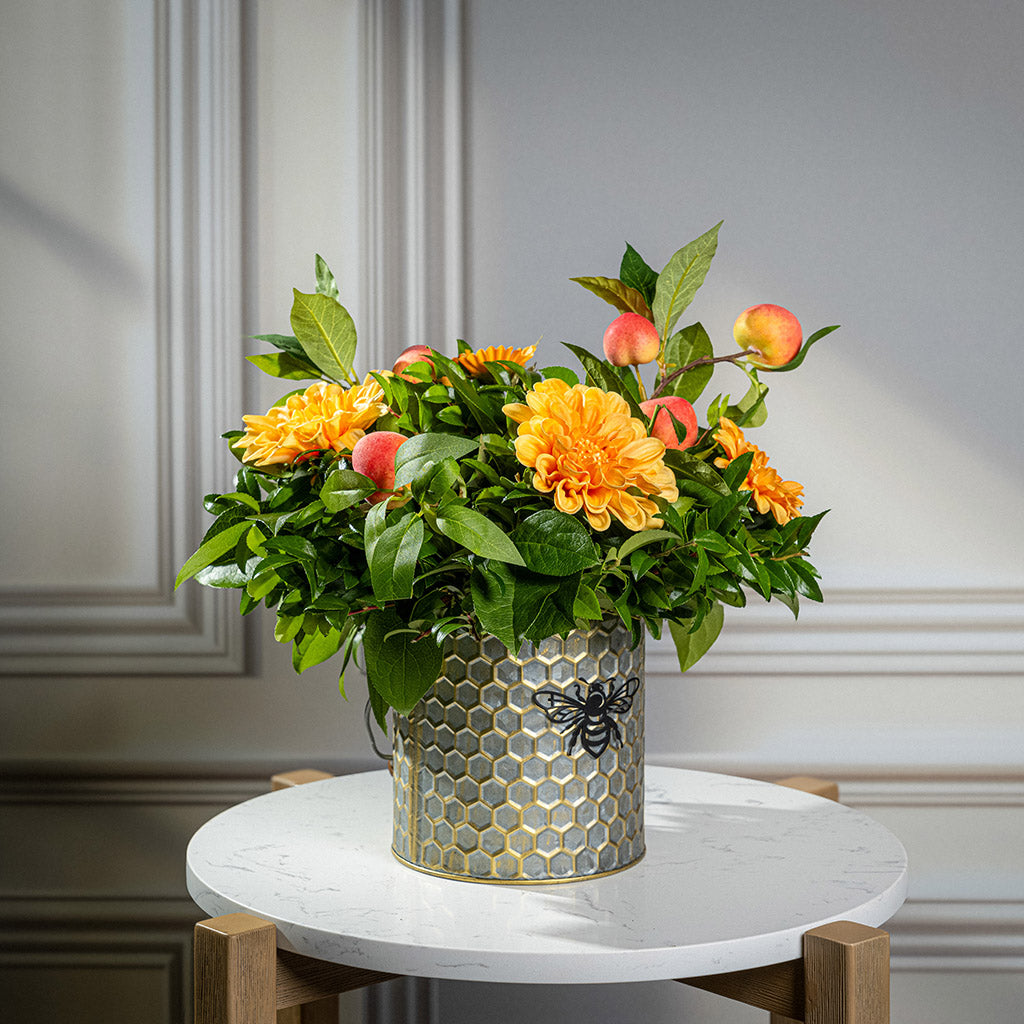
<point x="771" y="331"/>
<point x="631" y="340"/>
<point x="373" y="455"/>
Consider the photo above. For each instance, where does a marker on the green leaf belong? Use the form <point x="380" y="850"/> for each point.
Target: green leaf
<point x="561" y="373"/>
<point x="603" y="375"/>
<point x="804" y="349"/>
<point x="691" y="647"/>
<point x="393" y="561"/>
<point x="684" y="347"/>
<point x="326" y="333"/>
<point x="542" y="606"/>
<point x="587" y="605"/>
<point x="373" y="527"/>
<point x="806" y="578"/>
<point x="213" y="549"/>
<point x="618" y="294"/>
<point x="325" y="283"/>
<point x="478" y="534"/>
<point x="401" y="665"/>
<point x="320" y="647"/>
<point x="689" y="469"/>
<point x="750" y="411"/>
<point x="344" y="488"/>
<point x="287" y="627"/>
<point x="683" y="275"/>
<point x="285" y="342"/>
<point x="736" y="472"/>
<point x="281" y="364"/>
<point x="555" y="544"/>
<point x="492" y="587"/>
<point x="635" y="272"/>
<point x="414" y="454"/>
<point x="642" y="539"/>
<point x="227" y="575"/>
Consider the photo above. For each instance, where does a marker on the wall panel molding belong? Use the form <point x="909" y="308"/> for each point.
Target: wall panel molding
<point x="61" y="957"/>
<point x="412" y="185"/>
<point x="197" y="342"/>
<point x="879" y="632"/>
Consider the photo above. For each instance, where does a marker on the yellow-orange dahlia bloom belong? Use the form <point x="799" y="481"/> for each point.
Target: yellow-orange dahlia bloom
<point x="591" y="454"/>
<point x="324" y="417"/>
<point x="770" y="492"/>
<point x="473" y="362"/>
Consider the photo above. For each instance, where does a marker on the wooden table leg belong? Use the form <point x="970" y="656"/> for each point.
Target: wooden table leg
<point x="235" y="958"/>
<point x="846" y="974"/>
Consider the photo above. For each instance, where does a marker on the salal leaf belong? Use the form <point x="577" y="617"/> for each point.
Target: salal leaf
<point x="325" y="283"/>
<point x="414" y="455"/>
<point x="543" y="606"/>
<point x="326" y="333"/>
<point x="393" y="561"/>
<point x="213" y="549"/>
<point x="689" y="468"/>
<point x="804" y="349"/>
<point x="477" y="533"/>
<point x="344" y="488"/>
<point x="319" y="648"/>
<point x="642" y="539"/>
<point x="587" y="605"/>
<point x="492" y="588"/>
<point x="683" y="275"/>
<point x="373" y="527"/>
<point x="634" y="272"/>
<point x="684" y="347"/>
<point x="227" y="575"/>
<point x="692" y="646"/>
<point x="555" y="544"/>
<point x="618" y="294"/>
<point x="401" y="664"/>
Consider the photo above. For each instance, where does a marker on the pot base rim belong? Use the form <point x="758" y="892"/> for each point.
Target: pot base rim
<point x="438" y="873"/>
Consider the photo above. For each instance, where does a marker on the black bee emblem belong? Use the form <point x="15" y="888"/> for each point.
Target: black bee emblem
<point x="589" y="716"/>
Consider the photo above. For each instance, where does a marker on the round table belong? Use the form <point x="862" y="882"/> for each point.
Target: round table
<point x="736" y="871"/>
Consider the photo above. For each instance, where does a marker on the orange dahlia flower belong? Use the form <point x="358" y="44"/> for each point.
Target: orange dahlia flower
<point x="591" y="454"/>
<point x="324" y="417"/>
<point x="473" y="362"/>
<point x="770" y="492"/>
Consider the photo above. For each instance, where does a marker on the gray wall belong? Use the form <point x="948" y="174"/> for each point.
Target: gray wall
<point x="170" y="170"/>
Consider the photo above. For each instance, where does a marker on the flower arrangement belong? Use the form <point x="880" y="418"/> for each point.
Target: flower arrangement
<point x="475" y="491"/>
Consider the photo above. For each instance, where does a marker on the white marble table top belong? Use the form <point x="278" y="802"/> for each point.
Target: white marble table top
<point x="735" y="872"/>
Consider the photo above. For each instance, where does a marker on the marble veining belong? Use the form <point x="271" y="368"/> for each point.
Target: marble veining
<point x="735" y="872"/>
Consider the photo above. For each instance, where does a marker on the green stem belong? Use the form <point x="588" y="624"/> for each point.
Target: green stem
<point x="640" y="383"/>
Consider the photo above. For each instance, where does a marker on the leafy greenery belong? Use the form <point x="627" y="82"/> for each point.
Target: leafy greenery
<point x="467" y="541"/>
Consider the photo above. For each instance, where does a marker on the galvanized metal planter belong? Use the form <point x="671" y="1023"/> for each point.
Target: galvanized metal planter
<point x="525" y="769"/>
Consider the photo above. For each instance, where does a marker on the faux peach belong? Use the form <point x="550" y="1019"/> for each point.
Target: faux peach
<point x="374" y="456"/>
<point x="663" y="426"/>
<point x="630" y="340"/>
<point x="413" y="354"/>
<point x="772" y="331"/>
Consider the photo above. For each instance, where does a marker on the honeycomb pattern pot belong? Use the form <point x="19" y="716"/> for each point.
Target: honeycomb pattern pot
<point x="527" y="768"/>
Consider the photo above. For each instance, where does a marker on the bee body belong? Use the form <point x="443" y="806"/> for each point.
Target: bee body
<point x="588" y="716"/>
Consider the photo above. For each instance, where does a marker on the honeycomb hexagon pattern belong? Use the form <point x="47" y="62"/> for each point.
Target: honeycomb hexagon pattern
<point x="528" y="768"/>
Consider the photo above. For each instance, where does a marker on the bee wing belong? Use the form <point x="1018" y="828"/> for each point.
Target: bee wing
<point x="622" y="697"/>
<point x="571" y="715"/>
<point x="549" y="700"/>
<point x="560" y="707"/>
